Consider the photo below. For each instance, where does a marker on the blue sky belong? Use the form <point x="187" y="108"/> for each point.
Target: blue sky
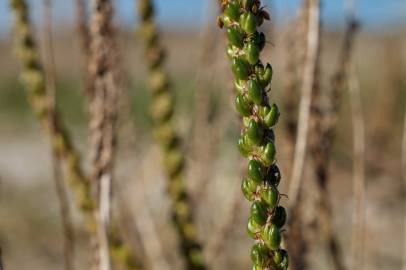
<point x="375" y="14"/>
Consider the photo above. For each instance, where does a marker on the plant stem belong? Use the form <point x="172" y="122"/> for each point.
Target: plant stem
<point x="49" y="67"/>
<point x="161" y="109"/>
<point x="241" y="20"/>
<point x="309" y="78"/>
<point x="358" y="233"/>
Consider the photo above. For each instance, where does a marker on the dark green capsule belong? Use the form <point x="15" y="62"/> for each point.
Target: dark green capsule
<point x="232" y="10"/>
<point x="249" y="22"/>
<point x="270" y="195"/>
<point x="235" y="37"/>
<point x="240" y="68"/>
<point x="272" y="117"/>
<point x="248" y="188"/>
<point x="259" y="212"/>
<point x="268" y="154"/>
<point x="252" y="53"/>
<point x="285" y="261"/>
<point x="247" y="4"/>
<point x="244" y="146"/>
<point x="266" y="77"/>
<point x="255" y="132"/>
<point x="272" y="236"/>
<point x="253" y="228"/>
<point x="279" y="217"/>
<point x="277" y="256"/>
<point x="255" y="92"/>
<point x="255" y="170"/>
<point x="242" y="105"/>
<point x="273" y="175"/>
<point x="260" y="254"/>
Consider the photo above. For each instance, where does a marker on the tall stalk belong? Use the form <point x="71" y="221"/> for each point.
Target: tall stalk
<point x="241" y="19"/>
<point x="161" y="109"/>
<point x="33" y="78"/>
<point x="49" y="67"/>
<point x="359" y="193"/>
<point x="324" y="126"/>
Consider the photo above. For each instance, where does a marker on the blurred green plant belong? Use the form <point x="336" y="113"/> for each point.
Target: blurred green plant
<point x="241" y="19"/>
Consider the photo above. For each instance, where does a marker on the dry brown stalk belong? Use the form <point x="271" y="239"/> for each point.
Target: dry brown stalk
<point x="103" y="114"/>
<point x="359" y="192"/>
<point x="84" y="40"/>
<point x="49" y="68"/>
<point x="309" y="78"/>
<point x="404" y="188"/>
<point x="324" y="122"/>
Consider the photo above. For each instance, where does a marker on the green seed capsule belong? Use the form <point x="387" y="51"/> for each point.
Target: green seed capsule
<point x="244" y="146"/>
<point x="266" y="77"/>
<point x="225" y="21"/>
<point x="230" y="51"/>
<point x="270" y="195"/>
<point x="255" y="92"/>
<point x="235" y="37"/>
<point x="259" y="212"/>
<point x="268" y="154"/>
<point x="273" y="175"/>
<point x="252" y="53"/>
<point x="253" y="228"/>
<point x="255" y="132"/>
<point x="240" y="68"/>
<point x="277" y="257"/>
<point x="249" y="22"/>
<point x="242" y="105"/>
<point x="285" y="261"/>
<point x="272" y="116"/>
<point x="248" y="187"/>
<point x="247" y="4"/>
<point x="272" y="237"/>
<point x="279" y="217"/>
<point x="255" y="170"/>
<point x="232" y="10"/>
<point x="260" y="255"/>
<point x="257" y="267"/>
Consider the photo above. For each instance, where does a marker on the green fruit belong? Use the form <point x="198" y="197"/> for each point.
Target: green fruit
<point x="240" y="85"/>
<point x="260" y="255"/>
<point x="279" y="217"/>
<point x="255" y="132"/>
<point x="244" y="146"/>
<point x="255" y="92"/>
<point x="247" y="4"/>
<point x="235" y="37"/>
<point x="257" y="267"/>
<point x="240" y="68"/>
<point x="266" y="77"/>
<point x="270" y="195"/>
<point x="272" y="117"/>
<point x="232" y="11"/>
<point x="272" y="237"/>
<point x="273" y="175"/>
<point x="226" y="20"/>
<point x="277" y="257"/>
<point x="249" y="22"/>
<point x="255" y="170"/>
<point x="253" y="228"/>
<point x="230" y="51"/>
<point x="285" y="261"/>
<point x="242" y="105"/>
<point x="248" y="188"/>
<point x="259" y="212"/>
<point x="268" y="154"/>
<point x="252" y="53"/>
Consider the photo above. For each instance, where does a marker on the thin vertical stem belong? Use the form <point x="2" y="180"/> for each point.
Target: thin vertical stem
<point x="313" y="40"/>
<point x="404" y="189"/>
<point x="358" y="234"/>
<point x="49" y="68"/>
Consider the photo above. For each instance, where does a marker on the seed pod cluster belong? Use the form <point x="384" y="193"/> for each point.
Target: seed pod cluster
<point x="241" y="19"/>
<point x="161" y="110"/>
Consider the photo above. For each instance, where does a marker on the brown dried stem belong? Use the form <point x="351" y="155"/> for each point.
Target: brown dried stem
<point x="358" y="233"/>
<point x="49" y="68"/>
